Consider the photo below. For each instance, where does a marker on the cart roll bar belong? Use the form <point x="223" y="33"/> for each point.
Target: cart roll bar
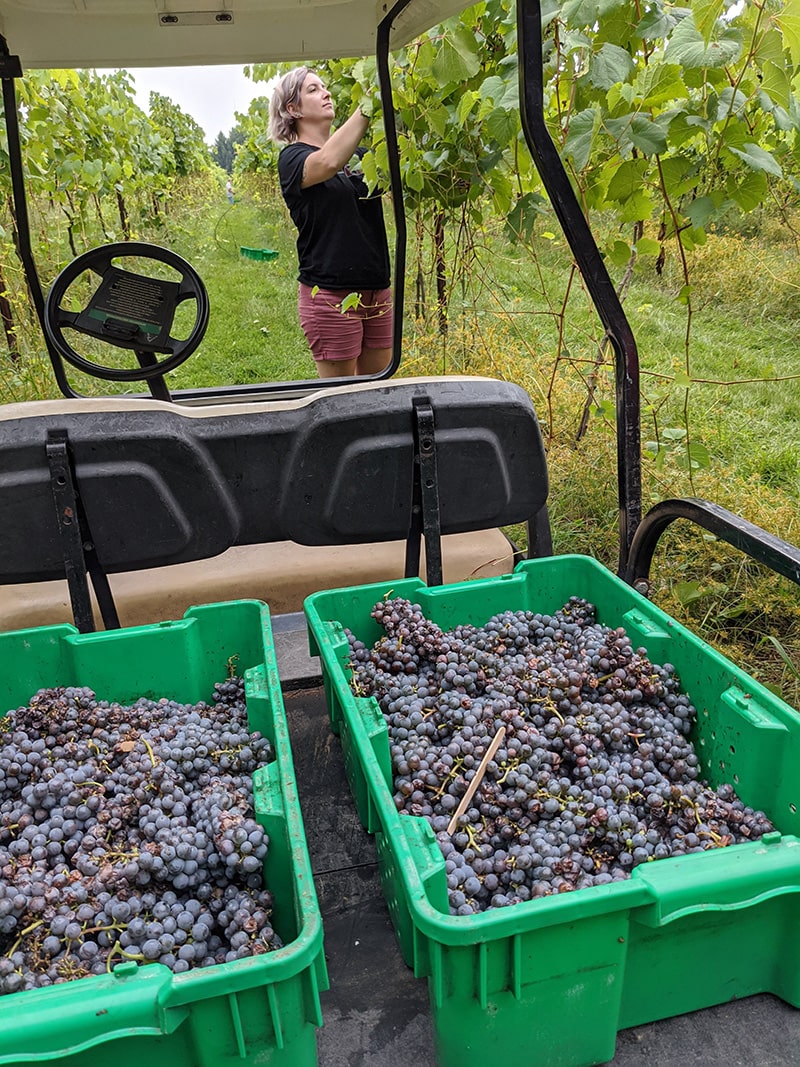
<point x="761" y="546"/>
<point x="11" y="68"/>
<point x="592" y="268"/>
<point x="395" y="179"/>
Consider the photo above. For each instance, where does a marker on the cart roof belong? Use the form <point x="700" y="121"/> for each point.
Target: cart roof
<point x="142" y="33"/>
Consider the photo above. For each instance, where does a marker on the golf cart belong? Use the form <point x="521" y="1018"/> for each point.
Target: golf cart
<point x="122" y="490"/>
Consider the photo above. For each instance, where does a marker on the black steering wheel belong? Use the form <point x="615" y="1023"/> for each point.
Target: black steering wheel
<point x="128" y="310"/>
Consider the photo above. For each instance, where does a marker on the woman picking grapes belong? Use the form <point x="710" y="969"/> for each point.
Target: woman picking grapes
<point x="341" y="236"/>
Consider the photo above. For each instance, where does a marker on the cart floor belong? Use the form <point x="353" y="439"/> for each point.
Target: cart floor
<point x="376" y="1013"/>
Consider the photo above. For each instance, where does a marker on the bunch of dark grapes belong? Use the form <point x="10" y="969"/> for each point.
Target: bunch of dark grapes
<point x="128" y="833"/>
<point x="594" y="774"/>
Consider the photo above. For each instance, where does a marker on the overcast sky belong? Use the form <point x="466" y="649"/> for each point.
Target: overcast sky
<point x="211" y="95"/>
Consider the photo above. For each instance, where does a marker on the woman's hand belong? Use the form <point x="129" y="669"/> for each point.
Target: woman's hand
<point x="337" y="150"/>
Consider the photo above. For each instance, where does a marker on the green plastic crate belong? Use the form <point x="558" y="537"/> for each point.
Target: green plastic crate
<point x="258" y="253"/>
<point x="556" y="978"/>
<point x="261" y="1010"/>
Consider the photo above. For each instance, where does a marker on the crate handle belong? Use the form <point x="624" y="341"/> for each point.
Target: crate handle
<point x="726" y="879"/>
<point x="65" y="1019"/>
<point x="428" y="860"/>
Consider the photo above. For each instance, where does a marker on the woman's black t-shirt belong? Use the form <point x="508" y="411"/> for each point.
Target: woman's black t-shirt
<point x="341" y="236"/>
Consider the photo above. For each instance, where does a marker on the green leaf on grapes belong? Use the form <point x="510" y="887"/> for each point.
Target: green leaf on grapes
<point x="628" y="179"/>
<point x="659" y="83"/>
<point x="502" y="191"/>
<point x="701" y="210"/>
<point x="620" y="253"/>
<point x="679" y="175"/>
<point x="369" y="170"/>
<point x="699" y="455"/>
<point x="414" y="179"/>
<point x="638" y="131"/>
<point x="656" y="23"/>
<point x="696" y="457"/>
<point x="730" y="102"/>
<point x="438" y="118"/>
<point x="637" y="208"/>
<point x="501" y="125"/>
<point x="493" y="89"/>
<point x="580" y="12"/>
<point x="622" y="92"/>
<point x="522" y="217"/>
<point x="769" y="48"/>
<point x="649" y="136"/>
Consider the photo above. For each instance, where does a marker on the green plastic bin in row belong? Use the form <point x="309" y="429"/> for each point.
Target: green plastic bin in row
<point x="260" y="254"/>
<point x="261" y="1009"/>
<point x="555" y="978"/>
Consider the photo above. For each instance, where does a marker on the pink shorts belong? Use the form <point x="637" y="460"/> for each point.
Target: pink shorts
<point x="337" y="335"/>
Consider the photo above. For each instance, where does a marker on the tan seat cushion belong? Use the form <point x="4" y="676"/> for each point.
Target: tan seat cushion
<point x="282" y="574"/>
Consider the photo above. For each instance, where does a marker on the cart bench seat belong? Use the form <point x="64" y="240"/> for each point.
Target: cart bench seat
<point x="273" y="500"/>
<point x="283" y="574"/>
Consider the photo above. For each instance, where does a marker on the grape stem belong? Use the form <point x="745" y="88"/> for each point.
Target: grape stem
<point x="149" y="748"/>
<point x="497" y="740"/>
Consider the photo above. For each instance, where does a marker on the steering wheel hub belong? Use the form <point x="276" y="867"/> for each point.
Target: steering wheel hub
<point x="128" y="310"/>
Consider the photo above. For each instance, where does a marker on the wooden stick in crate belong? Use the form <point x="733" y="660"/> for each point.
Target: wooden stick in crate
<point x="488" y="755"/>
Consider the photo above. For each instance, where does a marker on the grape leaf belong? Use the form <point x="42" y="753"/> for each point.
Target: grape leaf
<point x="706" y="13"/>
<point x="689" y="592"/>
<point x="352" y="300"/>
<point x="750" y="191"/>
<point x="578" y="145"/>
<point x="610" y="65"/>
<point x="659" y="83"/>
<point x="647" y="246"/>
<point x="687" y="47"/>
<point x="775" y="83"/>
<point x="457" y="59"/>
<point x="789" y="22"/>
<point x="759" y="158"/>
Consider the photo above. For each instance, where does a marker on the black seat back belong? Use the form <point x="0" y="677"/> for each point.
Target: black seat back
<point x="162" y="484"/>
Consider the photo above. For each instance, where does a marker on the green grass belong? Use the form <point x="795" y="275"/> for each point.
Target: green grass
<point x="253" y="334"/>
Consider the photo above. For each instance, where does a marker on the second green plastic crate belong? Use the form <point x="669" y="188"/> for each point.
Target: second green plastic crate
<point x="554" y="979"/>
<point x="261" y="254"/>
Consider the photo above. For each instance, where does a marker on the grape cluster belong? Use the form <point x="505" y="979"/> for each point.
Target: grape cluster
<point x="127" y="832"/>
<point x="594" y="773"/>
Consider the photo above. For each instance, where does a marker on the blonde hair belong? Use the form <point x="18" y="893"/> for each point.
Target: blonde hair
<point x="282" y="124"/>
